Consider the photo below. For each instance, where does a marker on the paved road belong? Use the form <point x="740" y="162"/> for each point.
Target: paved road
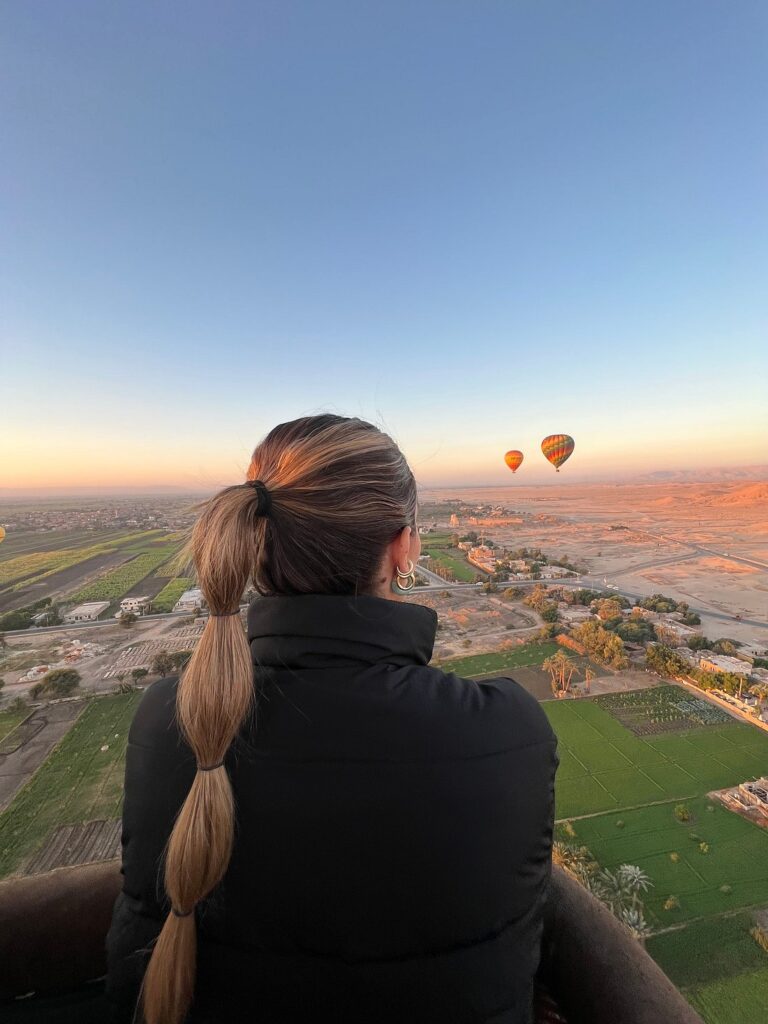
<point x="701" y="549"/>
<point x="438" y="583"/>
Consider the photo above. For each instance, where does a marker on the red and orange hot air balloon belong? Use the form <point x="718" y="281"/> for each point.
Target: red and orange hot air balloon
<point x="514" y="459"/>
<point x="557" y="448"/>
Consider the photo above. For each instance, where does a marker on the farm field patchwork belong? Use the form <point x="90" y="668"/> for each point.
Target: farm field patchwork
<point x="30" y="568"/>
<point x="729" y="872"/>
<point x="619" y="787"/>
<point x="79" y="781"/>
<point x="662" y="709"/>
<point x="117" y="582"/>
<point x="28" y="542"/>
<point x="607" y="767"/>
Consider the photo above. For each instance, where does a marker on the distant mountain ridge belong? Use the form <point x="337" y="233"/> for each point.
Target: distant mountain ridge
<point x="752" y="494"/>
<point x="703" y="476"/>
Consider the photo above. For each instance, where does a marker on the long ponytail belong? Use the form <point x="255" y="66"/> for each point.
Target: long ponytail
<point x="338" y="491"/>
<point x="214" y="697"/>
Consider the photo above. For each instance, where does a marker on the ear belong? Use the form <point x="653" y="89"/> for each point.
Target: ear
<point x="406" y="547"/>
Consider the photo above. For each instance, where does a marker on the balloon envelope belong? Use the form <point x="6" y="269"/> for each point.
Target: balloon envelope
<point x="514" y="459"/>
<point x="557" y="448"/>
<point x="2" y="534"/>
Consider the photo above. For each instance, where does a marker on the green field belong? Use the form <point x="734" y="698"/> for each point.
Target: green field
<point x="117" y="582"/>
<point x="435" y="540"/>
<point x="619" y="791"/>
<point x="737" y="857"/>
<point x="171" y="593"/>
<point x="740" y="999"/>
<point x="26" y="569"/>
<point x="603" y="766"/>
<point x="707" y="950"/>
<point x="496" y="661"/>
<point x="26" y="542"/>
<point x="453" y="559"/>
<point x="79" y="781"/>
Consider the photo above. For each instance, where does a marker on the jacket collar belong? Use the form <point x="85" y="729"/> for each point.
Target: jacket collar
<point x="325" y="630"/>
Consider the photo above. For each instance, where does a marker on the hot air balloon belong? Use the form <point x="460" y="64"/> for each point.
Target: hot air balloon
<point x="2" y="534"/>
<point x="557" y="448"/>
<point x="514" y="459"/>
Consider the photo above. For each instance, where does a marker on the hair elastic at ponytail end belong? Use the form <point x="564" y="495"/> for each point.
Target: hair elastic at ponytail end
<point x="264" y="506"/>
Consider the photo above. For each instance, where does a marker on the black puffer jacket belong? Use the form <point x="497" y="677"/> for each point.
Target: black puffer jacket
<point x="394" y="830"/>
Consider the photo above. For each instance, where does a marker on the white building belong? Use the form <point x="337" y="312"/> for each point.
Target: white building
<point x="190" y="600"/>
<point x="136" y="605"/>
<point x="88" y="612"/>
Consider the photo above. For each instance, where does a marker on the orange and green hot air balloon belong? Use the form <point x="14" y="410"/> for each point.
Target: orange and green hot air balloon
<point x="557" y="448"/>
<point x="514" y="459"/>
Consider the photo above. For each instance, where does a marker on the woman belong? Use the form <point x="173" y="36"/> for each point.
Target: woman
<point x="316" y="823"/>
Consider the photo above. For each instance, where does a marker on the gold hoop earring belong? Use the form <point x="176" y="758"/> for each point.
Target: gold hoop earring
<point x="404" y="582"/>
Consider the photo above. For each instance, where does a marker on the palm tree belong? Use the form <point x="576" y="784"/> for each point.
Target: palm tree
<point x="635" y="880"/>
<point x="589" y="675"/>
<point x="611" y="889"/>
<point x="634" y="920"/>
<point x="760" y="690"/>
<point x="561" y="669"/>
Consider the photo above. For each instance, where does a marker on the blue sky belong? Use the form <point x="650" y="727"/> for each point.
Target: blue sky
<point x="474" y="223"/>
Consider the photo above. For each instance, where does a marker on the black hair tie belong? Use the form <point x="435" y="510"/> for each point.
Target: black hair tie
<point x="265" y="498"/>
<point x="210" y="767"/>
<point x="182" y="913"/>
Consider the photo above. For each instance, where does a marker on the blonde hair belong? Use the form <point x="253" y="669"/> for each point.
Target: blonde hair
<point x="340" y="490"/>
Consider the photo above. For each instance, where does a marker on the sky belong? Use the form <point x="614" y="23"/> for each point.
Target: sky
<point x="473" y="223"/>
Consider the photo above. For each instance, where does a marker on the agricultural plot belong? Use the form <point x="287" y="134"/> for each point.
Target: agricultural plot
<point x="142" y="655"/>
<point x="741" y="999"/>
<point x="719" y="967"/>
<point x="451" y="559"/>
<point x="117" y="582"/>
<point x="171" y="593"/>
<point x="619" y="787"/>
<point x="37" y="565"/>
<point x="499" y="661"/>
<point x="704" y="951"/>
<point x="81" y="780"/>
<point x="607" y="767"/>
<point x="662" y="709"/>
<point x="26" y="542"/>
<point x="435" y="540"/>
<point x="720" y="861"/>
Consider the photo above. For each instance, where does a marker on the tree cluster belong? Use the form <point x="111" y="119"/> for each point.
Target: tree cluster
<point x="165" y="664"/>
<point x="60" y="682"/>
<point x="601" y="644"/>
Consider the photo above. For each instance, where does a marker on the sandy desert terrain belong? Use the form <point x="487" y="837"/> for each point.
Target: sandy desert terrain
<point x="703" y="543"/>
